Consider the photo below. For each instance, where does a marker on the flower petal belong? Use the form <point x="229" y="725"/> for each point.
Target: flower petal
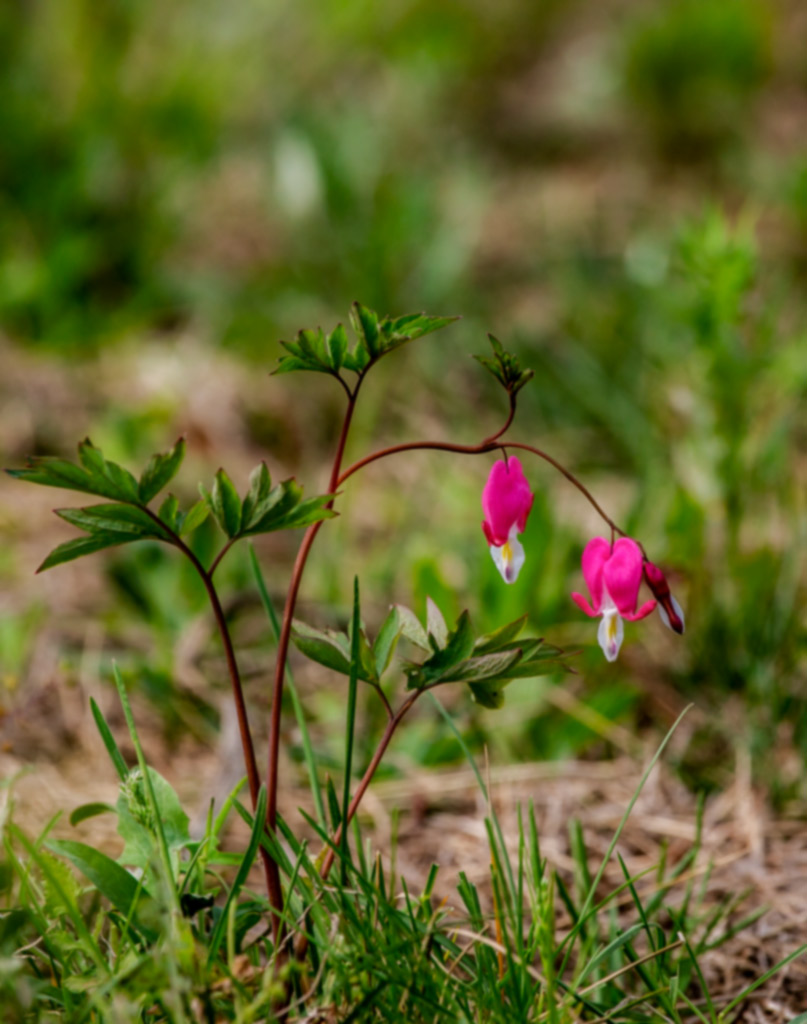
<point x="582" y="603"/>
<point x="509" y="557"/>
<point x="595" y="555"/>
<point x="665" y="618"/>
<point x="610" y="634"/>
<point x="506" y="499"/>
<point x="622" y="575"/>
<point x="643" y="612"/>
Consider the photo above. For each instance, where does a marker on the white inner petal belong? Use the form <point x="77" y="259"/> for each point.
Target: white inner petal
<point x="611" y="632"/>
<point x="665" y="618"/>
<point x="509" y="557"/>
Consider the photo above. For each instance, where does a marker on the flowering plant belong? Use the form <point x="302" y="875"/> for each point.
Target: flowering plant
<point x="136" y="508"/>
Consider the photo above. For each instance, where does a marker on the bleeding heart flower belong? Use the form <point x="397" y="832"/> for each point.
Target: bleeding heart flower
<point x="613" y="576"/>
<point x="506" y="502"/>
<point x="668" y="608"/>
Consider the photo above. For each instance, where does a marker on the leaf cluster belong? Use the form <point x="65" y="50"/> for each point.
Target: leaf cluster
<point x="505" y="367"/>
<point x="264" y="508"/>
<point x="126" y="516"/>
<point x="486" y="663"/>
<point x="331" y="353"/>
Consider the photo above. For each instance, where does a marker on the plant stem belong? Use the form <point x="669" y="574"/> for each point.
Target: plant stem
<point x="247" y="745"/>
<point x="273" y="875"/>
<point x="367" y="778"/>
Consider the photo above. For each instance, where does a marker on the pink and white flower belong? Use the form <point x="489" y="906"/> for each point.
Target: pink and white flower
<point x="613" y="575"/>
<point x="506" y="502"/>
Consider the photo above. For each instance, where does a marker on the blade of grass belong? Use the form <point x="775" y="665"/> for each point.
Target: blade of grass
<point x="463" y="745"/>
<point x="109" y="740"/>
<point x="353" y="685"/>
<point x="584" y="912"/>
<point x="250" y="854"/>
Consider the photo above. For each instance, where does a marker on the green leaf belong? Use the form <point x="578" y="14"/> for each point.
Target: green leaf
<point x="109" y="740"/>
<point x="336" y="344"/>
<point x="387" y="641"/>
<point x="489" y="695"/>
<point x="160" y="470"/>
<point x="136" y="823"/>
<point x="225" y="504"/>
<point x="169" y="512"/>
<point x="112" y="881"/>
<point x="403" y="329"/>
<point x="484" y="668"/>
<point x="128" y="520"/>
<point x="94" y="476"/>
<point x="73" y="549"/>
<point x="86" y="811"/>
<point x="365" y="324"/>
<point x="322" y="647"/>
<point x="459" y="646"/>
<point x="123" y="483"/>
<point x="495" y="640"/>
<point x="436" y="624"/>
<point x="260" y="486"/>
<point x="194" y="517"/>
<point x="332" y="650"/>
<point x="412" y="629"/>
<point x="505" y="367"/>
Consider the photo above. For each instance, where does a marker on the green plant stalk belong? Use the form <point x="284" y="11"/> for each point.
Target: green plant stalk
<point x="353" y="684"/>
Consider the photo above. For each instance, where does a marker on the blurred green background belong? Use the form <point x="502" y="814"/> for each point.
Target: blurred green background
<point x="618" y="190"/>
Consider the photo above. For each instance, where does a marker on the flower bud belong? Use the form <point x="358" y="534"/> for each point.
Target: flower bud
<point x="668" y="608"/>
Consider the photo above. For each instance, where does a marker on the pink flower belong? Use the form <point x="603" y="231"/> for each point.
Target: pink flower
<point x="613" y="576"/>
<point x="668" y="608"/>
<point x="506" y="502"/>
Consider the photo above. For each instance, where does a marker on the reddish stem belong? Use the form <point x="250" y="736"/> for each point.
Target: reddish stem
<point x="275" y="888"/>
<point x="248" y="747"/>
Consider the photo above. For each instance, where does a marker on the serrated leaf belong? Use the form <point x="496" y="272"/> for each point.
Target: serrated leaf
<point x="194" y="517"/>
<point x="365" y="324"/>
<point x="485" y="667"/>
<point x="283" y="509"/>
<point x="505" y="367"/>
<point x="225" y="504"/>
<point x="499" y="637"/>
<point x="436" y="624"/>
<point x="169" y="512"/>
<point x="403" y="329"/>
<point x="260" y="485"/>
<point x="412" y="629"/>
<point x="73" y="549"/>
<point x="336" y="344"/>
<point x="94" y="476"/>
<point x="387" y="641"/>
<point x="333" y="650"/>
<point x="459" y="646"/>
<point x="160" y="470"/>
<point x="322" y="649"/>
<point x="128" y="520"/>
